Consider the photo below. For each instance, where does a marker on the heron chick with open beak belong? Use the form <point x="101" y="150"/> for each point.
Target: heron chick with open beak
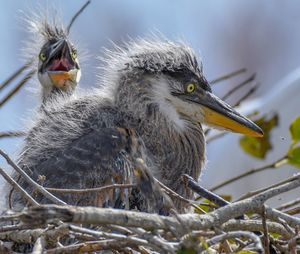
<point x="58" y="66"/>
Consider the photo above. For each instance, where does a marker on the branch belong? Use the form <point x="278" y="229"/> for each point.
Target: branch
<point x="88" y="190"/>
<point x="237" y="234"/>
<point x="13" y="183"/>
<point x="227" y="76"/>
<point x="106" y="216"/>
<point x="77" y="14"/>
<point x="17" y="87"/>
<point x="40" y="188"/>
<point x="15" y="74"/>
<point x="239" y="86"/>
<point x="12" y="134"/>
<point x="204" y="193"/>
<point x="276" y="164"/>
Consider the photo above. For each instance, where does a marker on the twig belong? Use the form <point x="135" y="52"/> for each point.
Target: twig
<point x="255" y="225"/>
<point x="105" y="216"/>
<point x="77" y="14"/>
<point x="191" y="183"/>
<point x="237" y="234"/>
<point x="90" y="246"/>
<point x="227" y="76"/>
<point x="252" y="193"/>
<point x="15" y="74"/>
<point x="40" y="188"/>
<point x="88" y="190"/>
<point x="17" y="87"/>
<point x="265" y="231"/>
<point x="13" y="183"/>
<point x="246" y="96"/>
<point x="239" y="86"/>
<point x="289" y="204"/>
<point x="280" y="162"/>
<point x="12" y="134"/>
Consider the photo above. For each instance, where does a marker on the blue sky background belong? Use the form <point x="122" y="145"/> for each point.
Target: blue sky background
<point x="262" y="36"/>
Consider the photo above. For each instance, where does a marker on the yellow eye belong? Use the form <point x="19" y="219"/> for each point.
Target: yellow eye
<point x="190" y="88"/>
<point x="74" y="54"/>
<point x="43" y="56"/>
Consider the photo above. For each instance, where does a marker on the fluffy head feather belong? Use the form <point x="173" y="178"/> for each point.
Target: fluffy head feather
<point x="147" y="56"/>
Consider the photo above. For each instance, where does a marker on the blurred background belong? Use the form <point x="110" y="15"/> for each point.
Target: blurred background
<point x="262" y="36"/>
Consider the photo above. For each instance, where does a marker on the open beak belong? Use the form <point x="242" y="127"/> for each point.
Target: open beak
<point x="61" y="67"/>
<point x="219" y="114"/>
<point x="59" y="78"/>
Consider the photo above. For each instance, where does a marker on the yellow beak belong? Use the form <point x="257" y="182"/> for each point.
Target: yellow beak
<point x="217" y="113"/>
<point x="59" y="78"/>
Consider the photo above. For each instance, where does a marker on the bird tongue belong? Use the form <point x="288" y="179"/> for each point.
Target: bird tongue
<point x="62" y="64"/>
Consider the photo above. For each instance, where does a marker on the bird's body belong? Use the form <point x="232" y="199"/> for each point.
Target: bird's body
<point x="94" y="140"/>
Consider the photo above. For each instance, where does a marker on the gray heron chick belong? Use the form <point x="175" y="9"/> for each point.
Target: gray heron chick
<point x="152" y="104"/>
<point x="57" y="62"/>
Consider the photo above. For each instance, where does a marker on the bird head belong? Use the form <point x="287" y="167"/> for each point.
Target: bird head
<point x="177" y="85"/>
<point x="58" y="66"/>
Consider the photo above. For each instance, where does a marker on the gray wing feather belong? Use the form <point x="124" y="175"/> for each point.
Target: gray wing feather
<point x="98" y="158"/>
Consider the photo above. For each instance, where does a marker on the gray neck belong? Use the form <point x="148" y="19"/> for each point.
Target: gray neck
<point x="176" y="151"/>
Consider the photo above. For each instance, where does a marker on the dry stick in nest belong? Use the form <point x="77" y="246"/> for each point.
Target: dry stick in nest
<point x="280" y="162"/>
<point x="14" y="184"/>
<point x="38" y="187"/>
<point x="105" y="216"/>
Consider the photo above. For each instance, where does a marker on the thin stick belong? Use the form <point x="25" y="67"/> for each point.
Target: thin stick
<point x="77" y="14"/>
<point x="289" y="204"/>
<point x="17" y="87"/>
<point x="12" y="134"/>
<point x="15" y="74"/>
<point x="252" y="193"/>
<point x="88" y="190"/>
<point x="275" y="164"/>
<point x="227" y="76"/>
<point x="13" y="183"/>
<point x="191" y="183"/>
<point x="40" y="188"/>
<point x="236" y="88"/>
<point x="266" y="233"/>
<point x="246" y="96"/>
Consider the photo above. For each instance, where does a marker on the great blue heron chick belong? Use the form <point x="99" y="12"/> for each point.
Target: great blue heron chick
<point x="58" y="65"/>
<point x="152" y="104"/>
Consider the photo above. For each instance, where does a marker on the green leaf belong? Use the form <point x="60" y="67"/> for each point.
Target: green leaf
<point x="295" y="129"/>
<point x="259" y="147"/>
<point x="246" y="252"/>
<point x="293" y="156"/>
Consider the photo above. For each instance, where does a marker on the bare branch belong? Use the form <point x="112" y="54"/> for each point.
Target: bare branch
<point x="40" y="188"/>
<point x="280" y="162"/>
<point x="12" y="134"/>
<point x="15" y="74"/>
<point x="191" y="183"/>
<point x="77" y="14"/>
<point x="227" y="76"/>
<point x="239" y="86"/>
<point x="14" y="184"/>
<point x="17" y="87"/>
<point x="237" y="234"/>
<point x="88" y="190"/>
